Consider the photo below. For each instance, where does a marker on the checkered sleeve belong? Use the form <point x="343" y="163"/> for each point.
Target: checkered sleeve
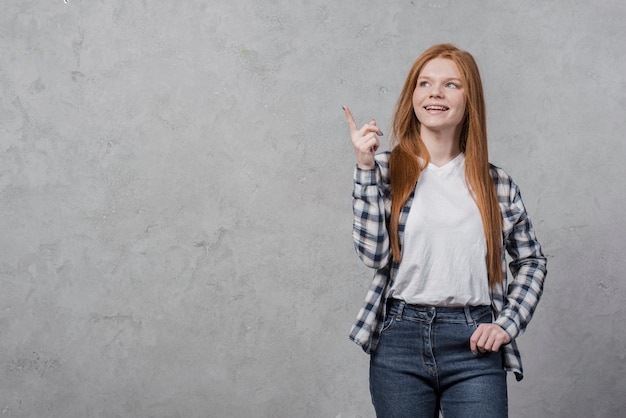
<point x="369" y="203"/>
<point x="528" y="264"/>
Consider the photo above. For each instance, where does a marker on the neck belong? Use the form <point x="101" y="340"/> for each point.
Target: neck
<point x="442" y="147"/>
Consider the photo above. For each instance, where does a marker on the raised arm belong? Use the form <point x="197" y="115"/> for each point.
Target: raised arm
<point x="370" y="195"/>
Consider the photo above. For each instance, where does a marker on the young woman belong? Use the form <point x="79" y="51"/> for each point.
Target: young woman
<point x="434" y="219"/>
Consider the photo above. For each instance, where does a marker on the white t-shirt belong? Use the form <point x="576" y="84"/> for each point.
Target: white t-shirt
<point x="444" y="251"/>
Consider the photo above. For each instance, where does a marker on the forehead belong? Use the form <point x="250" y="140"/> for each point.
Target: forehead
<point x="440" y="67"/>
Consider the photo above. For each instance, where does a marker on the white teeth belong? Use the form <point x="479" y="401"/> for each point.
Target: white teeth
<point x="436" y="108"/>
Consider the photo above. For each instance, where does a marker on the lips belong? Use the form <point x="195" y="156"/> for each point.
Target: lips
<point x="436" y="107"/>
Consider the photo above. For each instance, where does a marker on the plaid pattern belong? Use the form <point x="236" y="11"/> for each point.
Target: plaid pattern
<point x="513" y="301"/>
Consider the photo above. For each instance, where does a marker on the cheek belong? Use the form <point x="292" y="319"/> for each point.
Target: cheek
<point x="417" y="99"/>
<point x="417" y="109"/>
<point x="463" y="102"/>
<point x="461" y="106"/>
<point x="418" y="94"/>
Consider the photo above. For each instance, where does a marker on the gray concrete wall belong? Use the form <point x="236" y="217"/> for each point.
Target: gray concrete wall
<point x="175" y="207"/>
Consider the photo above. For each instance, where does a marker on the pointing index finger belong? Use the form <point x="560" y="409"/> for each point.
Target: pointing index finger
<point x="350" y="118"/>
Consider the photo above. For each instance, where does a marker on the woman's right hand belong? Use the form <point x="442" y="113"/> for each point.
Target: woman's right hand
<point x="364" y="140"/>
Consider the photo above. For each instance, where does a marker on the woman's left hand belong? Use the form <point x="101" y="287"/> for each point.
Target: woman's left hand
<point x="488" y="338"/>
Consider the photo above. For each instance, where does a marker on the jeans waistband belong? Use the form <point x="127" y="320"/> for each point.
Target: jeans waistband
<point x="442" y="313"/>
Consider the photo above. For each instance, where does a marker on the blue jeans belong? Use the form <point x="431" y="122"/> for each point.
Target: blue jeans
<point x="423" y="365"/>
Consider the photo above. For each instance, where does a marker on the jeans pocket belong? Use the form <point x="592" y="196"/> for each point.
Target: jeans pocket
<point x="389" y="321"/>
<point x="486" y="318"/>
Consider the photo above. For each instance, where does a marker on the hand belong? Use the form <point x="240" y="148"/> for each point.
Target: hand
<point x="488" y="338"/>
<point x="364" y="140"/>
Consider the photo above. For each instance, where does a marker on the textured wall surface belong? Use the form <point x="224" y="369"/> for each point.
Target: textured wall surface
<point x="175" y="198"/>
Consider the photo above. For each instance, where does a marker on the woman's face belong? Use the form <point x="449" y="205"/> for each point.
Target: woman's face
<point x="439" y="97"/>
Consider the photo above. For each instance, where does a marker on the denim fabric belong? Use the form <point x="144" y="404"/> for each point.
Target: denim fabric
<point x="423" y="365"/>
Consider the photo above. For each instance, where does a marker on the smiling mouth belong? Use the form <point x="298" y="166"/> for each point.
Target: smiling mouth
<point x="435" y="108"/>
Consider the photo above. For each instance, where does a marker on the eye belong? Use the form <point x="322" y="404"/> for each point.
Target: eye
<point x="452" y="85"/>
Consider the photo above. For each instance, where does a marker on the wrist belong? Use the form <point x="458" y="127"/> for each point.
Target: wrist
<point x="366" y="166"/>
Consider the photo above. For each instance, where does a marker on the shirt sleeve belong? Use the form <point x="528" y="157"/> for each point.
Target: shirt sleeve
<point x="527" y="266"/>
<point x="369" y="204"/>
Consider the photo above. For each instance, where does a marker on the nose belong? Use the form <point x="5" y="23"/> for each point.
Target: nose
<point x="436" y="90"/>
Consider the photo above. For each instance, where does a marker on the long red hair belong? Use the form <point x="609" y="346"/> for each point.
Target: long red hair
<point x="407" y="144"/>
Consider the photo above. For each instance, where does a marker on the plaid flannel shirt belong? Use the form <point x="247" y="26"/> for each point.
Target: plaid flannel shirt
<point x="513" y="301"/>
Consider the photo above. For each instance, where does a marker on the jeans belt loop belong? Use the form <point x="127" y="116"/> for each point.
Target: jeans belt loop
<point x="468" y="315"/>
<point x="401" y="309"/>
